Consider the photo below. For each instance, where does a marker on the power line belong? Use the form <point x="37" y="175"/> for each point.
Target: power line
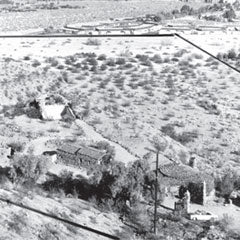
<point x="196" y="46"/>
<point x="61" y="219"/>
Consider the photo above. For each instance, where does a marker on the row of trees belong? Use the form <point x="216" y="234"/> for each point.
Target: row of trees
<point x="227" y="8"/>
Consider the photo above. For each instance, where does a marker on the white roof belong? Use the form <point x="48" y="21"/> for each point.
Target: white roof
<point x="52" y="112"/>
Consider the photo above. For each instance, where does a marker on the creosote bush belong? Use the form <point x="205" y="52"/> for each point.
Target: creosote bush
<point x="93" y="42"/>
<point x="28" y="168"/>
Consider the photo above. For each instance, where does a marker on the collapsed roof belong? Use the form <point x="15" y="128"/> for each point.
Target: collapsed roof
<point x="93" y="153"/>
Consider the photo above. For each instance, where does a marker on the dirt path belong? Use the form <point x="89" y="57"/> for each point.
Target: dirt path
<point x="122" y="154"/>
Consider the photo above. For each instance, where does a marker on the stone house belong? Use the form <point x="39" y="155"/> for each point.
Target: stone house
<point x="184" y="178"/>
<point x="79" y="156"/>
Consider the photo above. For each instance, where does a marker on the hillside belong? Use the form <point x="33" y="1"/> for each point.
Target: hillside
<point x="124" y="91"/>
<point x="30" y="225"/>
<point x="137" y="96"/>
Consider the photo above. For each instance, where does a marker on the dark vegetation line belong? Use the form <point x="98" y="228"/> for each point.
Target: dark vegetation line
<point x="61" y="219"/>
<point x="196" y="46"/>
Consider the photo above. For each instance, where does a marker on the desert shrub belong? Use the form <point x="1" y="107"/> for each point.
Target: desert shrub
<point x="140" y="217"/>
<point x="185" y="9"/>
<point x="93" y="42"/>
<point x="92" y="61"/>
<point x="53" y="62"/>
<point x="70" y="60"/>
<point x="120" y="61"/>
<point x="236" y="5"/>
<point x="225" y="222"/>
<point x="85" y="113"/>
<point x="166" y="60"/>
<point x="94" y="69"/>
<point x="103" y="67"/>
<point x="175" y="12"/>
<point x="111" y="62"/>
<point x="147" y="63"/>
<point x="85" y="67"/>
<point x="220" y="56"/>
<point x="60" y="67"/>
<point x="53" y="130"/>
<point x="142" y="57"/>
<point x="65" y="76"/>
<point x="232" y="54"/>
<point x="156" y="58"/>
<point x="17" y="222"/>
<point x="28" y="168"/>
<point x="197" y="56"/>
<point x="36" y="63"/>
<point x="168" y="130"/>
<point x="209" y="106"/>
<point x="126" y="103"/>
<point x="77" y="65"/>
<point x="186" y="137"/>
<point x="183" y="138"/>
<point x="226" y="184"/>
<point x="110" y="150"/>
<point x="128" y="65"/>
<point x="180" y="53"/>
<point x="229" y="14"/>
<point x="26" y="58"/>
<point x="102" y="57"/>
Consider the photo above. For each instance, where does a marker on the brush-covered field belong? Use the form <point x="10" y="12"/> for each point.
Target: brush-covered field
<point x="124" y="90"/>
<point x="131" y="88"/>
<point x="225" y="46"/>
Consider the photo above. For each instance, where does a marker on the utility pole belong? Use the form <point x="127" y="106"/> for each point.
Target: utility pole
<point x="156" y="195"/>
<point x="156" y="190"/>
<point x="159" y="145"/>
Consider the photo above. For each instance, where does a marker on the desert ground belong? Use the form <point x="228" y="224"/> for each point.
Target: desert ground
<point x="133" y="98"/>
<point x="124" y="90"/>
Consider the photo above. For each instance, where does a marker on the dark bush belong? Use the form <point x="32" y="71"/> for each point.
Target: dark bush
<point x="103" y="67"/>
<point x="128" y="65"/>
<point x="185" y="9"/>
<point x="229" y="14"/>
<point x="142" y="58"/>
<point x="36" y="63"/>
<point x="110" y="62"/>
<point x="102" y="57"/>
<point x="156" y="58"/>
<point x="26" y="58"/>
<point x="232" y="54"/>
<point x="120" y="61"/>
<point x="92" y="61"/>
